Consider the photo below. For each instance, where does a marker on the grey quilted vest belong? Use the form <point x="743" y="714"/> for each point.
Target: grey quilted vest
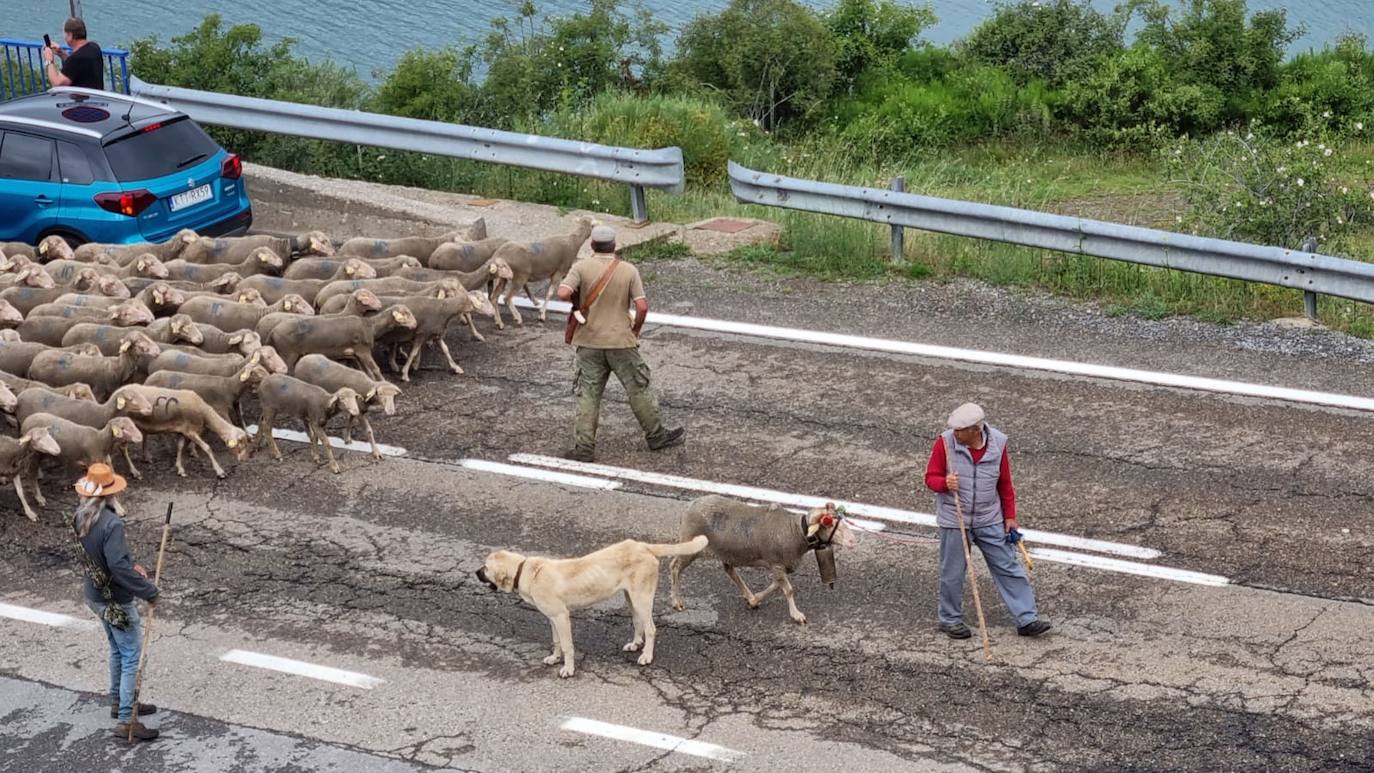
<point x="977" y="483"/>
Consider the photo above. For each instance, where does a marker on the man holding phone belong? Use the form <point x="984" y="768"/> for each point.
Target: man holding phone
<point x="84" y="67"/>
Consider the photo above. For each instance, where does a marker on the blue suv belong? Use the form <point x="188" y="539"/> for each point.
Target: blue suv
<point x="104" y="167"/>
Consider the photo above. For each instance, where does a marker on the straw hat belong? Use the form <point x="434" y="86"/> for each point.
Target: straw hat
<point x="100" y="481"/>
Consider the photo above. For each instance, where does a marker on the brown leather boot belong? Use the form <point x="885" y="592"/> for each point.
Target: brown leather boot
<point x="141" y="733"/>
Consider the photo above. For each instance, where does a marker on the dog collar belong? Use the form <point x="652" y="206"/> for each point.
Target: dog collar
<point x="515" y="586"/>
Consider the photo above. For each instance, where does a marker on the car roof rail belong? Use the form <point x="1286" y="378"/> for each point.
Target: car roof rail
<point x="108" y="94"/>
<point x="24" y="120"/>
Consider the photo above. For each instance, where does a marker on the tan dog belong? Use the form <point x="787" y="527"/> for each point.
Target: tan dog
<point x="558" y="586"/>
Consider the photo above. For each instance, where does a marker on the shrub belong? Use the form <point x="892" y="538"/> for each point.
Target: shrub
<point x="1056" y="42"/>
<point x="1256" y="186"/>
<point x="1337" y="81"/>
<point x="431" y="85"/>
<point x="1132" y="102"/>
<point x="871" y="35"/>
<point x="770" y="60"/>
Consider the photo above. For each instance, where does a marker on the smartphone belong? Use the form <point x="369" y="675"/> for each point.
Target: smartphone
<point x="47" y="41"/>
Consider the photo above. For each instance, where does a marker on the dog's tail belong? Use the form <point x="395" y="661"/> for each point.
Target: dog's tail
<point x="690" y="547"/>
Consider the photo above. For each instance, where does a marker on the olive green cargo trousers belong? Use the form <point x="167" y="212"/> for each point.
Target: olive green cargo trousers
<point x="593" y="367"/>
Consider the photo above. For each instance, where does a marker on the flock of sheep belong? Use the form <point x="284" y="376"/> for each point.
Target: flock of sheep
<point x="102" y="346"/>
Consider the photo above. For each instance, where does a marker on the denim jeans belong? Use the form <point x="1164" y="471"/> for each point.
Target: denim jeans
<point x="125" y="647"/>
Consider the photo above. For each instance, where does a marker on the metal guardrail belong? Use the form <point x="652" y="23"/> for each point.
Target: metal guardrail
<point x="24" y="73"/>
<point x="639" y="169"/>
<point x="1310" y="272"/>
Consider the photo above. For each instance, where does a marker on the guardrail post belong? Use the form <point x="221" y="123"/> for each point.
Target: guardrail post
<point x="898" y="246"/>
<point x="638" y="208"/>
<point x="1309" y="304"/>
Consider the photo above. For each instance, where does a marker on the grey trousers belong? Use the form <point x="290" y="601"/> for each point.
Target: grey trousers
<point x="1007" y="574"/>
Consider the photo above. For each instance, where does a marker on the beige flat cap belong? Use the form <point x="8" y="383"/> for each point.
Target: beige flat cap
<point x="966" y="415"/>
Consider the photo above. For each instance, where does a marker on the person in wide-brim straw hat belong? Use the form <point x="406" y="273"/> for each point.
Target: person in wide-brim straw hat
<point x="113" y="582"/>
<point x="981" y="482"/>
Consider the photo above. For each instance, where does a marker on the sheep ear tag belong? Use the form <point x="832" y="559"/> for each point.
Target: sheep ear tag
<point x="235" y="340"/>
<point x="114" y="431"/>
<point x="371" y="393"/>
<point x="157" y="298"/>
<point x="124" y="346"/>
<point x="397" y="315"/>
<point x="231" y="442"/>
<point x="119" y="403"/>
<point x="811" y="532"/>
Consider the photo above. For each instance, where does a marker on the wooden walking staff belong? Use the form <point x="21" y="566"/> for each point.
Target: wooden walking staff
<point x="148" y="627"/>
<point x="968" y="560"/>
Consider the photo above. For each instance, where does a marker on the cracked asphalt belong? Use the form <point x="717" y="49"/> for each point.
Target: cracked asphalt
<point x="371" y="571"/>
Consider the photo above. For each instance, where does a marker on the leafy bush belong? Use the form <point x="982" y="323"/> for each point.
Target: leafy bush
<point x="770" y="60"/>
<point x="1133" y="102"/>
<point x="870" y="35"/>
<point x="1056" y="42"/>
<point x="708" y="137"/>
<point x="1337" y="82"/>
<point x="431" y="85"/>
<point x="1255" y="186"/>
<point x="533" y="71"/>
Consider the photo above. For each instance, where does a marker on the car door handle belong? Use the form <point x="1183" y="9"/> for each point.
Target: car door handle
<point x="43" y="199"/>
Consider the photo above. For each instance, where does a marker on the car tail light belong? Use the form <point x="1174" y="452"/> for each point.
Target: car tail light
<point x="129" y="203"/>
<point x="232" y="167"/>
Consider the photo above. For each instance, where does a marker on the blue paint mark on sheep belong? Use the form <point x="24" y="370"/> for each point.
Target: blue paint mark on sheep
<point x="537" y="248"/>
<point x="221" y="246"/>
<point x="380" y="248"/>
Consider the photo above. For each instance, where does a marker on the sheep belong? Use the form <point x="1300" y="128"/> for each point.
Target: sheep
<point x="144" y="265"/>
<point x="88" y="413"/>
<point x="212" y="339"/>
<point x="274" y="288"/>
<point x="220" y="285"/>
<point x="22" y="249"/>
<point x="331" y="376"/>
<point x="363" y="302"/>
<point x="433" y="316"/>
<point x="391" y="285"/>
<point x="17" y="457"/>
<point x="81" y="445"/>
<point x="222" y="393"/>
<point x="339" y="337"/>
<point x="9" y="315"/>
<point x="285" y="395"/>
<point x="28" y="276"/>
<point x="159" y="297"/>
<point x="9" y="402"/>
<point x="544" y="259"/>
<point x="16" y="357"/>
<point x="204" y="364"/>
<point x="207" y="250"/>
<point x="51" y="329"/>
<point x="746" y="535"/>
<point x="103" y="374"/>
<point x="183" y="413"/>
<point x="105" y="338"/>
<point x="360" y="303"/>
<point x="128" y="312"/>
<point x="9" y="334"/>
<point x="123" y="253"/>
<point x="18" y="385"/>
<point x="227" y="315"/>
<point x="175" y="329"/>
<point x="25" y="299"/>
<point x="464" y="256"/>
<point x="495" y="268"/>
<point x="53" y="248"/>
<point x="348" y="268"/>
<point x="260" y="261"/>
<point x="422" y="246"/>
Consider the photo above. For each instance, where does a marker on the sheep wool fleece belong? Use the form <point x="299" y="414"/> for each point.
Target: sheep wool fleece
<point x="593" y="368"/>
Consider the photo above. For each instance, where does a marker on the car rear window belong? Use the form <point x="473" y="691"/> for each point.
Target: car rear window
<point x="175" y="145"/>
<point x="25" y="158"/>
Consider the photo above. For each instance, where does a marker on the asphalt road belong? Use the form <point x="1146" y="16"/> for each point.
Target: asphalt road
<point x="370" y="572"/>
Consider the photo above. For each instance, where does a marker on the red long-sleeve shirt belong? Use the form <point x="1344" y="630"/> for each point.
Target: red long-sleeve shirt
<point x="937" y="468"/>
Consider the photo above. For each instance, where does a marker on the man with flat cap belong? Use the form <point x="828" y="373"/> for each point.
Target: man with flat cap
<point x="981" y="479"/>
<point x="113" y="582"/>
<point x="607" y="342"/>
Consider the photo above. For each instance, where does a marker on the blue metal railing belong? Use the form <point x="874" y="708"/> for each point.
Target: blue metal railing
<point x="22" y="71"/>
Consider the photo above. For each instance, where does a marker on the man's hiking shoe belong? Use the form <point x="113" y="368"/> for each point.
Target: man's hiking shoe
<point x="580" y="455"/>
<point x="956" y="630"/>
<point x="144" y="709"/>
<point x="668" y="438"/>
<point x="1034" y="628"/>
<point x="141" y="733"/>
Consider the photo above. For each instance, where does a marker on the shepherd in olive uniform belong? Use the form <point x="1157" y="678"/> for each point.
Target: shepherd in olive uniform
<point x="602" y="287"/>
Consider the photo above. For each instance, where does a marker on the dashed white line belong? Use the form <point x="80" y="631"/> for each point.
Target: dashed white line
<point x="650" y="738"/>
<point x="356" y="445"/>
<point x="28" y="615"/>
<point x="1089" y="370"/>
<point x="482" y="465"/>
<point x="301" y="668"/>
<point x="802" y="500"/>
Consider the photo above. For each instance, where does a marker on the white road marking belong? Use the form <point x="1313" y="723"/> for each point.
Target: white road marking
<point x="301" y="668"/>
<point x="997" y="358"/>
<point x="802" y="500"/>
<point x="39" y="616"/>
<point x="356" y="445"/>
<point x="663" y="741"/>
<point x="1127" y="567"/>
<point x="482" y="465"/>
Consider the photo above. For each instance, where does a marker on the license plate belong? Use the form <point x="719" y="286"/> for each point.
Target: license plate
<point x="191" y="198"/>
